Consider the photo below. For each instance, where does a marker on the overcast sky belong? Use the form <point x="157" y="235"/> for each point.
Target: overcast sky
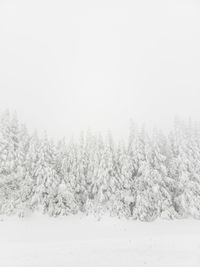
<point x="69" y="65"/>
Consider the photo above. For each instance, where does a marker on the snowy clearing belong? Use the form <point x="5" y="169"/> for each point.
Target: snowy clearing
<point x="83" y="241"/>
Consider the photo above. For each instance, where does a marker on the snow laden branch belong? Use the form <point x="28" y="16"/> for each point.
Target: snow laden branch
<point x="144" y="178"/>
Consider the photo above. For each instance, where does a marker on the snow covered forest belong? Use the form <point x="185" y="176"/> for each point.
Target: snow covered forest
<point x="145" y="177"/>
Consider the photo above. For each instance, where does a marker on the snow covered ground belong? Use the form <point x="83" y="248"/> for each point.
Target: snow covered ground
<point x="83" y="241"/>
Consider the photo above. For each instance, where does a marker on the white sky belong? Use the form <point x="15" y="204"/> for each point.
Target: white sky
<point x="69" y="65"/>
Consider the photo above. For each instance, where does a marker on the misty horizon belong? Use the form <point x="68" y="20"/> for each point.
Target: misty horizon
<point x="74" y="66"/>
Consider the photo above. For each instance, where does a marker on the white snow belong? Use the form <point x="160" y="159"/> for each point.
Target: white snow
<point x="84" y="241"/>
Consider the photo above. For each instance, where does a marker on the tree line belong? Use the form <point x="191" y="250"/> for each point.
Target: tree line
<point x="144" y="177"/>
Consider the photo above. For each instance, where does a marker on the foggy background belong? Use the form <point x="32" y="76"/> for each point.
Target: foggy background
<point x="66" y="66"/>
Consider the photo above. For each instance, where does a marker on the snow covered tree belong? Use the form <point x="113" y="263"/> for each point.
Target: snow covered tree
<point x="13" y="145"/>
<point x="149" y="176"/>
<point x="184" y="168"/>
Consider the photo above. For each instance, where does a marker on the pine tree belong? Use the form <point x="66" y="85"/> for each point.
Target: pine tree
<point x="11" y="162"/>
